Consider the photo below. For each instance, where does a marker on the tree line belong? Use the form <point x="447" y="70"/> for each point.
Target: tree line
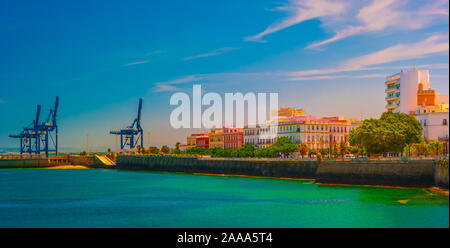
<point x="392" y="133"/>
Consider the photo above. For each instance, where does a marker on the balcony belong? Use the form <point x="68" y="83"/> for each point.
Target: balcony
<point x="392" y="105"/>
<point x="392" y="81"/>
<point x="392" y="98"/>
<point x="392" y="89"/>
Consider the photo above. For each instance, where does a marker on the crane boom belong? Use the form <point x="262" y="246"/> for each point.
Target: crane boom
<point x="38" y="113"/>
<point x="139" y="112"/>
<point x="55" y="110"/>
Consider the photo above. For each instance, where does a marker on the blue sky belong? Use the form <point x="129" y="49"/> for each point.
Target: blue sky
<point x="327" y="56"/>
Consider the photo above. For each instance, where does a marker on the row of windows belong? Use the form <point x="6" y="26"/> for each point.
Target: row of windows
<point x="424" y="122"/>
<point x="296" y="139"/>
<point x="298" y="129"/>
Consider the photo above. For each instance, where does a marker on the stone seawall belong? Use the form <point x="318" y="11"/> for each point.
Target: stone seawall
<point x="90" y="161"/>
<point x="420" y="173"/>
<point x="441" y="174"/>
<point x="393" y="173"/>
<point x="292" y="169"/>
<point x="24" y="163"/>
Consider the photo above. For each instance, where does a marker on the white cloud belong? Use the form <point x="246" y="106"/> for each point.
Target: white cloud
<point x="211" y="53"/>
<point x="163" y="88"/>
<point x="168" y="85"/>
<point x="155" y="52"/>
<point x="434" y="44"/>
<point x="327" y="77"/>
<point x="431" y="45"/>
<point x="137" y="63"/>
<point x="383" y="14"/>
<point x="300" y="11"/>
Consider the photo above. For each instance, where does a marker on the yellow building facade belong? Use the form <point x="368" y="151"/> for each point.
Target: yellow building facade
<point x="216" y="138"/>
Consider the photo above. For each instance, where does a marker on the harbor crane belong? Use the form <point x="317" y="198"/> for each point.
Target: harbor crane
<point x="40" y="137"/>
<point x="132" y="136"/>
<point x="29" y="142"/>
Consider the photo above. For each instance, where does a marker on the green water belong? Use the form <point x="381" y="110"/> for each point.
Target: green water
<point x="109" y="198"/>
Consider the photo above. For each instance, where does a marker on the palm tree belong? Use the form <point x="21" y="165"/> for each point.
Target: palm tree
<point x="302" y="149"/>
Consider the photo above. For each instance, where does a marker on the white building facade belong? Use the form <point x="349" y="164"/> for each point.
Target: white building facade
<point x="401" y="90"/>
<point x="316" y="134"/>
<point x="434" y="121"/>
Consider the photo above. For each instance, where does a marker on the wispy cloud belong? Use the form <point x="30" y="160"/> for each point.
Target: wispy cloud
<point x="212" y="53"/>
<point x="169" y="85"/>
<point x="164" y="88"/>
<point x="382" y="14"/>
<point x="434" y="44"/>
<point x="155" y="52"/>
<point x="327" y="77"/>
<point x="137" y="63"/>
<point x="300" y="11"/>
<point x="347" y="18"/>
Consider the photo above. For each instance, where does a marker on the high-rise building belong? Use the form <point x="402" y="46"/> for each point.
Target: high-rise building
<point x="402" y="90"/>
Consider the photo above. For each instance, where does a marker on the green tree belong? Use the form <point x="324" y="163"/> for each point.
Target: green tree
<point x="247" y="150"/>
<point x="434" y="147"/>
<point x="420" y="147"/>
<point x="302" y="149"/>
<point x="266" y="152"/>
<point x="165" y="149"/>
<point x="389" y="134"/>
<point x="199" y="151"/>
<point x="153" y="150"/>
<point x="357" y="151"/>
<point x="283" y="145"/>
<point x="343" y="149"/>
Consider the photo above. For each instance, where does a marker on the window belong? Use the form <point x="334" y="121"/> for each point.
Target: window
<point x="444" y="122"/>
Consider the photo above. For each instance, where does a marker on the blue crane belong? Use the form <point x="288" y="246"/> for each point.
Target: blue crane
<point x="49" y="131"/>
<point x="29" y="143"/>
<point x="38" y="135"/>
<point x="132" y="135"/>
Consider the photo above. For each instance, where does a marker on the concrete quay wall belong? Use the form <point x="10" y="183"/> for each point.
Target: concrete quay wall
<point x="414" y="173"/>
<point x="292" y="169"/>
<point x="441" y="174"/>
<point x="383" y="172"/>
<point x="24" y="163"/>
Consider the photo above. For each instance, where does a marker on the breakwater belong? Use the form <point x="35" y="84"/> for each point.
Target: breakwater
<point x="415" y="173"/>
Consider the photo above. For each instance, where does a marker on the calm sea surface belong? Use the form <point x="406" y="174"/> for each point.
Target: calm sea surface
<point x="109" y="198"/>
